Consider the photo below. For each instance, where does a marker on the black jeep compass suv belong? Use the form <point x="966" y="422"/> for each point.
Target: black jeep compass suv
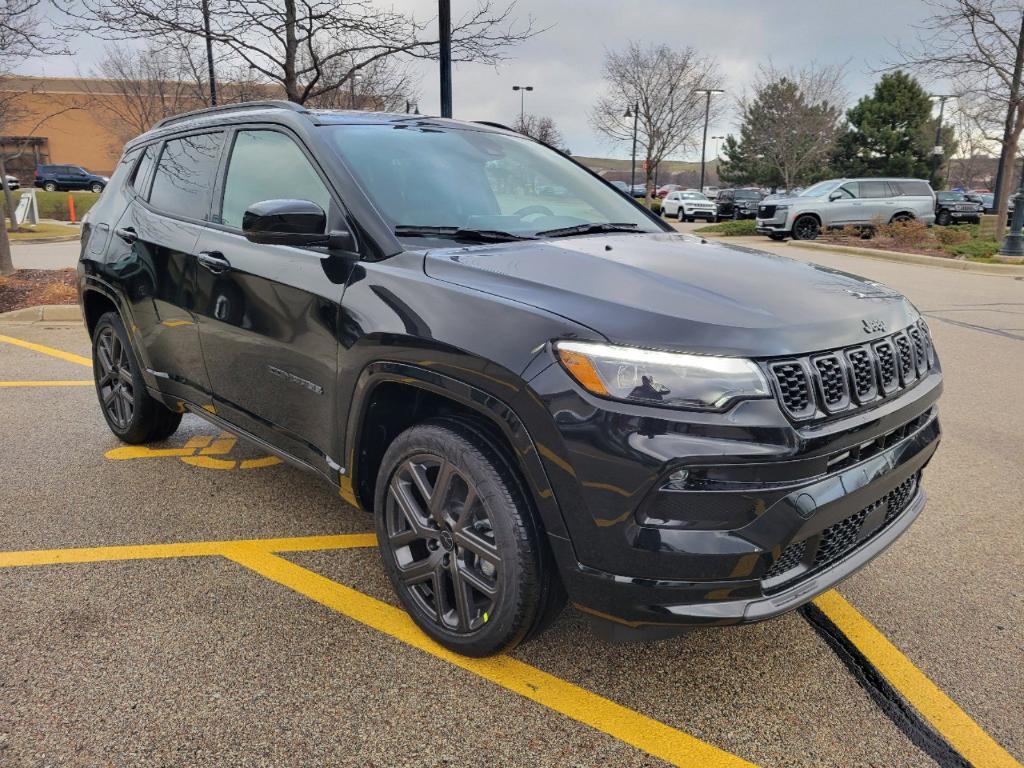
<point x="537" y="395"/>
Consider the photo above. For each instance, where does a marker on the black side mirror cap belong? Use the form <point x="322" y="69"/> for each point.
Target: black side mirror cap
<point x="285" y="222"/>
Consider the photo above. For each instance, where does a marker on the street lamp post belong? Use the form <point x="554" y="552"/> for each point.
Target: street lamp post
<point x="444" y="22"/>
<point x="633" y="112"/>
<point x="937" y="149"/>
<point x="1013" y="243"/>
<point x="707" y="116"/>
<point x="522" y="102"/>
<point x="717" y="139"/>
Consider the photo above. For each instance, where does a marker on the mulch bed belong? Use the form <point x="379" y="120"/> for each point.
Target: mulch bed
<point x="32" y="287"/>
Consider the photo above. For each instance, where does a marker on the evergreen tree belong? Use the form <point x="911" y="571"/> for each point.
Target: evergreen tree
<point x="889" y="133"/>
<point x="785" y="138"/>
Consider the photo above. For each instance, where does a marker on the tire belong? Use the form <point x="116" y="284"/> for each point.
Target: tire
<point x="50" y="186"/>
<point x="735" y="214"/>
<point x="943" y="219"/>
<point x="679" y="214"/>
<point x="806" y="228"/>
<point x="96" y="187"/>
<point x="492" y="554"/>
<point x="131" y="413"/>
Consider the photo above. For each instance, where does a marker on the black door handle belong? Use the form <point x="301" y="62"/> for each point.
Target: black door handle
<point x="214" y="261"/>
<point x="128" y="234"/>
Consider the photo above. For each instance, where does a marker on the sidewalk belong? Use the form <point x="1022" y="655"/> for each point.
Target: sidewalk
<point x="61" y="255"/>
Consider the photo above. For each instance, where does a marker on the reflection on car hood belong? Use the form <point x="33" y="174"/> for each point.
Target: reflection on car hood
<point x="678" y="292"/>
<point x="788" y="200"/>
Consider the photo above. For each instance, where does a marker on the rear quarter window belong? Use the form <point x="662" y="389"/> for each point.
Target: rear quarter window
<point x="912" y="188"/>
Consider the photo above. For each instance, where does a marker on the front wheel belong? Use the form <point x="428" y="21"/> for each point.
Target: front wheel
<point x="96" y="187"/>
<point x="459" y="540"/>
<point x="806" y="228"/>
<point x="131" y="413"/>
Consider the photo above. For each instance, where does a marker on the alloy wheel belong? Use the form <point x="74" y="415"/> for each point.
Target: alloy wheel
<point x="443" y="543"/>
<point x="114" y="378"/>
<point x="805" y="228"/>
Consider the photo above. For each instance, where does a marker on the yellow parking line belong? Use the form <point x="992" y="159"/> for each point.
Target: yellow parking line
<point x="954" y="725"/>
<point x="58" y="353"/>
<point x="626" y="725"/>
<point x="49" y="383"/>
<point x="183" y="549"/>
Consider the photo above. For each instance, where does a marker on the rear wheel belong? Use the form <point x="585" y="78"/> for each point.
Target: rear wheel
<point x="806" y="228"/>
<point x="50" y="186"/>
<point x="459" y="540"/>
<point x="131" y="413"/>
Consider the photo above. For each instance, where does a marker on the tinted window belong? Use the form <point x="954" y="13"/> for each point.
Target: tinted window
<point x="748" y="194"/>
<point x="874" y="189"/>
<point x="848" y="191"/>
<point x="267" y="165"/>
<point x="913" y="188"/>
<point x="141" y="177"/>
<point x="185" y="174"/>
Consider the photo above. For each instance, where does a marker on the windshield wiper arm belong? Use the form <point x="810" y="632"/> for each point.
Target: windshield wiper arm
<point x="586" y="229"/>
<point x="459" y="233"/>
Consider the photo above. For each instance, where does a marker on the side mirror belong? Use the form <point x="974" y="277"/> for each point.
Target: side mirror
<point x="291" y="222"/>
<point x="835" y="195"/>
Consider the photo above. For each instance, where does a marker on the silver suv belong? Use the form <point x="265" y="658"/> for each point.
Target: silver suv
<point x="838" y="202"/>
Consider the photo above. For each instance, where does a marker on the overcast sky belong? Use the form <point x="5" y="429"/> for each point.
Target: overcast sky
<point x="564" y="63"/>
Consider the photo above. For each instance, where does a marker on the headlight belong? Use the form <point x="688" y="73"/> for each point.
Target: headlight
<point x="661" y="378"/>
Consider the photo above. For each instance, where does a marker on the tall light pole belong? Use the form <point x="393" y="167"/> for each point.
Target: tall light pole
<point x="1013" y="243"/>
<point x="707" y="116"/>
<point x="209" y="52"/>
<point x="444" y="22"/>
<point x="633" y="112"/>
<point x="522" y="102"/>
<point x="937" y="149"/>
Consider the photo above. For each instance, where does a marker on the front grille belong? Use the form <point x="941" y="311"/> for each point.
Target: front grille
<point x="832" y="376"/>
<point x="766" y="211"/>
<point x="794" y="388"/>
<point x="839" y="539"/>
<point x="853" y="376"/>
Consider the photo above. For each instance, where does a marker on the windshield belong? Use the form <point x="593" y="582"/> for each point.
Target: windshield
<point x="692" y="196"/>
<point x="821" y="189"/>
<point x="951" y="197"/>
<point x="421" y="176"/>
<point x="747" y="194"/>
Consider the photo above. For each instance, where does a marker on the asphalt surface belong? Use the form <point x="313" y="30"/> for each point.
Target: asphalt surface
<point x="45" y="255"/>
<point x="199" y="661"/>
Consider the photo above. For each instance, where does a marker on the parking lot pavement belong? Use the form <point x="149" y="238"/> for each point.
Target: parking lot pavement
<point x="60" y="255"/>
<point x="286" y="648"/>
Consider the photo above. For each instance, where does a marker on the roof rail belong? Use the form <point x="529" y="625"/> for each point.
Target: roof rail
<point x="267" y="104"/>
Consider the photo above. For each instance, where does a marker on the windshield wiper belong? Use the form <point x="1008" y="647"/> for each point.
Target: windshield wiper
<point x="587" y="229"/>
<point x="459" y="233"/>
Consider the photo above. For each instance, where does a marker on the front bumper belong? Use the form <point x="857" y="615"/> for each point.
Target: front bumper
<point x="767" y="495"/>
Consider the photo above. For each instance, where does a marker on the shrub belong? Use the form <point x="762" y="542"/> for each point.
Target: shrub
<point x="952" y="235"/>
<point x="906" y="234"/>
<point x="740" y="228"/>
<point x="976" y="249"/>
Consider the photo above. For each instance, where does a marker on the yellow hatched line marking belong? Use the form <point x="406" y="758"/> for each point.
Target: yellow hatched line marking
<point x="183" y="549"/>
<point x="49" y="383"/>
<point x="644" y="733"/>
<point x="58" y="353"/>
<point x="955" y="725"/>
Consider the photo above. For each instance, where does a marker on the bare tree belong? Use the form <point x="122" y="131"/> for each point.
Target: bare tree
<point x="661" y="82"/>
<point x="311" y="48"/>
<point x="23" y="33"/>
<point x="978" y="45"/>
<point x="386" y="85"/>
<point x="543" y="129"/>
<point x="973" y="165"/>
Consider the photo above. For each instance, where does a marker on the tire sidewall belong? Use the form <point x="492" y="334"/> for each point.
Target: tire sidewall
<point x="798" y="236"/>
<point x="137" y="427"/>
<point x="49" y="187"/>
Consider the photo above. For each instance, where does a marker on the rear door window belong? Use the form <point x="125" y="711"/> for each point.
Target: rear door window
<point x="874" y="189"/>
<point x="185" y="175"/>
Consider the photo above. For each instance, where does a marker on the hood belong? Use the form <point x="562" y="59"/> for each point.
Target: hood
<point x="679" y="292"/>
<point x="791" y="200"/>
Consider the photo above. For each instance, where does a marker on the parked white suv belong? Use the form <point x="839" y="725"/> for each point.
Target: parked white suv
<point x="838" y="202"/>
<point x="687" y="206"/>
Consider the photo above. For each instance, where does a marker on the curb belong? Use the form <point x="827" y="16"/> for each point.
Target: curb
<point x="57" y="239"/>
<point x="915" y="258"/>
<point x="44" y="313"/>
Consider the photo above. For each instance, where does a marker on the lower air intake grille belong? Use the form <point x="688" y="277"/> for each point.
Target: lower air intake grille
<point x="839" y="539"/>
